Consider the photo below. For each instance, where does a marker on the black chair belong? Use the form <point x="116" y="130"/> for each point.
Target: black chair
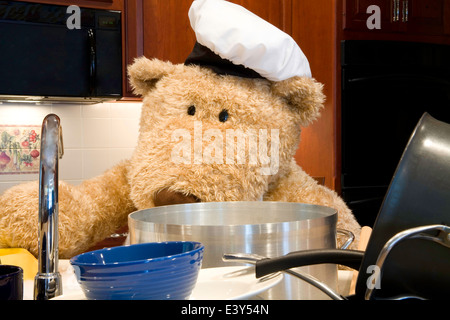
<point x="408" y="252"/>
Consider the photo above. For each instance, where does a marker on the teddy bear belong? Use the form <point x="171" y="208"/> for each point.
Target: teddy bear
<point x="223" y="126"/>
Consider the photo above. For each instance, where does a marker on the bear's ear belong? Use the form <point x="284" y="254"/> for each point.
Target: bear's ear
<point x="144" y="73"/>
<point x="303" y="94"/>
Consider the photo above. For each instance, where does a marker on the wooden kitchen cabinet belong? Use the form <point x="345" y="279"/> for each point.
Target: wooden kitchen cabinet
<point x="355" y="13"/>
<point x="428" y="17"/>
<point x="161" y="28"/>
<point x="96" y="4"/>
<point x="313" y="28"/>
<point x="277" y="12"/>
<point x="400" y="19"/>
<point x="167" y="32"/>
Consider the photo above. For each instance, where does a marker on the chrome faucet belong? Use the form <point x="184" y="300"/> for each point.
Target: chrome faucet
<point x="47" y="283"/>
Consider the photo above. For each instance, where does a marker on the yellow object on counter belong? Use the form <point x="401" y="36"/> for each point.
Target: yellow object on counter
<point x="21" y="258"/>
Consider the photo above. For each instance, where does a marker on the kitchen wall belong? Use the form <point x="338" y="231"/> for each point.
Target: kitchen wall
<point x="95" y="136"/>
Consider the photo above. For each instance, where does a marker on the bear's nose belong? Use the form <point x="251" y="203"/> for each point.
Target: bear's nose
<point x="166" y="197"/>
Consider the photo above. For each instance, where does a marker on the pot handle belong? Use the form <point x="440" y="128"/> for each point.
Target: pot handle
<point x="350" y="238"/>
<point x="349" y="258"/>
<point x="253" y="258"/>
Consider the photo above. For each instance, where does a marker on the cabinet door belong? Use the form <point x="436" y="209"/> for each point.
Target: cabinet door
<point x="168" y="34"/>
<point x="411" y="17"/>
<point x="447" y="18"/>
<point x="277" y="12"/>
<point x="355" y="15"/>
<point x="424" y="17"/>
<point x="167" y="31"/>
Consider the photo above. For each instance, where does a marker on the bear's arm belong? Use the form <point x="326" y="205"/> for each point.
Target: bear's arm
<point x="297" y="186"/>
<point x="88" y="213"/>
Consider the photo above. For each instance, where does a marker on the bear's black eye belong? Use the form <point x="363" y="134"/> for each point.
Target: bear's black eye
<point x="223" y="116"/>
<point x="191" y="110"/>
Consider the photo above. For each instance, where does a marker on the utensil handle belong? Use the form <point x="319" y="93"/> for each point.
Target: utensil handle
<point x="350" y="238"/>
<point x="349" y="258"/>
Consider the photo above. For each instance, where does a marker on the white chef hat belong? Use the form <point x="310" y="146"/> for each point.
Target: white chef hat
<point x="252" y="45"/>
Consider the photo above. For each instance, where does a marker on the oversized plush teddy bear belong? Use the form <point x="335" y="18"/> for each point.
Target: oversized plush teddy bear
<point x="211" y="129"/>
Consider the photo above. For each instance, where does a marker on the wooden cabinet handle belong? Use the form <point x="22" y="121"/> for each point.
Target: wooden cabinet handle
<point x="405" y="11"/>
<point x="396" y="13"/>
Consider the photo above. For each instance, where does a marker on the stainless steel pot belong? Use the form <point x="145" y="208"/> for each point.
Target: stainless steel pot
<point x="269" y="229"/>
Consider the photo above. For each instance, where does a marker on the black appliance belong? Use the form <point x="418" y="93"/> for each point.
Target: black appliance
<point x="45" y="57"/>
<point x="386" y="88"/>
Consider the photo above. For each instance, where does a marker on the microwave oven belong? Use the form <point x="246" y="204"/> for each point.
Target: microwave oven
<point x="48" y="53"/>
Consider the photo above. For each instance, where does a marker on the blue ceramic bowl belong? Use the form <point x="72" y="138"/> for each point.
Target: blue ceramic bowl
<point x="147" y="271"/>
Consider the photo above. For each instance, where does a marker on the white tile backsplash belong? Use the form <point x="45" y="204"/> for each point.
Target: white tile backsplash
<point x="68" y="111"/>
<point x="72" y="129"/>
<point x="71" y="164"/>
<point x="96" y="137"/>
<point x="23" y="113"/>
<point x="95" y="162"/>
<point x="123" y="131"/>
<point x="101" y="110"/>
<point x="119" y="154"/>
<point x="125" y="110"/>
<point x="97" y="133"/>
